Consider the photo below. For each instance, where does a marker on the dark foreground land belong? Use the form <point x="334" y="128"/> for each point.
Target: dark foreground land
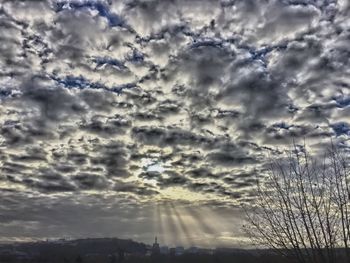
<point x="113" y="250"/>
<point x="191" y="258"/>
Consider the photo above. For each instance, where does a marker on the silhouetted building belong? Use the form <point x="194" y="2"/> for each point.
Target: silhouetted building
<point x="193" y="250"/>
<point x="155" y="247"/>
<point x="164" y="250"/>
<point x="179" y="251"/>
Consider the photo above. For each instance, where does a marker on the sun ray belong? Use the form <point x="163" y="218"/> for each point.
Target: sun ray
<point x="182" y="224"/>
<point x="160" y="224"/>
<point x="172" y="231"/>
<point x="196" y="232"/>
<point x="200" y="219"/>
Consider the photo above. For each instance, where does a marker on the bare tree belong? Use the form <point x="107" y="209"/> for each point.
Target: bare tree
<point x="303" y="207"/>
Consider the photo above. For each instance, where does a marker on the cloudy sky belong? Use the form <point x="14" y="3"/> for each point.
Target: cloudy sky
<point x="138" y="118"/>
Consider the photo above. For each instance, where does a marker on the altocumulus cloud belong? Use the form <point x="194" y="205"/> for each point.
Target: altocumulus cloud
<point x="108" y="107"/>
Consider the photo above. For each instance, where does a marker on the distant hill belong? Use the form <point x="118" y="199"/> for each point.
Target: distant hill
<point x="73" y="248"/>
<point x="114" y="250"/>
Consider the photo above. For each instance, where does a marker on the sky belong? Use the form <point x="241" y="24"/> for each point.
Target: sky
<point x="139" y="118"/>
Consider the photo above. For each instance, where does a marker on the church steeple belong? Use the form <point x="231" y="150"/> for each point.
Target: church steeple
<point x="155" y="247"/>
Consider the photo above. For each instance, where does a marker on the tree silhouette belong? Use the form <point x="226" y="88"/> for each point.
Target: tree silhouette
<point x="303" y="208"/>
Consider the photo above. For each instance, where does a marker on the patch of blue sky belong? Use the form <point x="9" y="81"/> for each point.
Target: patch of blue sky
<point x="78" y="82"/>
<point x="342" y="101"/>
<point x="207" y="43"/>
<point x="292" y="108"/>
<point x="71" y="82"/>
<point x="102" y="9"/>
<point x="282" y="125"/>
<point x="7" y="93"/>
<point x="135" y="56"/>
<point x="341" y="128"/>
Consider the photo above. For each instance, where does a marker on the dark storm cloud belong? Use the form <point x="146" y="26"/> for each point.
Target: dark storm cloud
<point x="166" y="179"/>
<point x="54" y="103"/>
<point x="172" y="179"/>
<point x="134" y="188"/>
<point x="16" y="133"/>
<point x="32" y="154"/>
<point x="42" y="179"/>
<point x="50" y="185"/>
<point x="215" y="188"/>
<point x="49" y="217"/>
<point x="170" y="136"/>
<point x="202" y="172"/>
<point x="284" y="133"/>
<point x="77" y="158"/>
<point x="228" y="158"/>
<point x="113" y="157"/>
<point x="206" y="61"/>
<point x="97" y="100"/>
<point x="106" y="126"/>
<point x="64" y="168"/>
<point x="90" y="181"/>
<point x="135" y="98"/>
